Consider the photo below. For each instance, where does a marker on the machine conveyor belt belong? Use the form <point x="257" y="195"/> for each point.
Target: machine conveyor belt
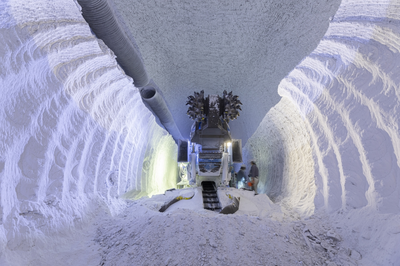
<point x="210" y="196"/>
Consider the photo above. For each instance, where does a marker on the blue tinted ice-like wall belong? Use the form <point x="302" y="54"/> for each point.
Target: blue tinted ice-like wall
<point x="340" y="111"/>
<point x="73" y="129"/>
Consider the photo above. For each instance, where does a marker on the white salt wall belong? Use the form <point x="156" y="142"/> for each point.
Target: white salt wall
<point x="281" y="148"/>
<point x="73" y="127"/>
<point x="352" y="79"/>
<point x="74" y="130"/>
<point x="348" y="93"/>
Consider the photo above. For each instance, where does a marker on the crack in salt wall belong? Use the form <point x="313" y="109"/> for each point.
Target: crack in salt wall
<point x="73" y="127"/>
<point x="347" y="95"/>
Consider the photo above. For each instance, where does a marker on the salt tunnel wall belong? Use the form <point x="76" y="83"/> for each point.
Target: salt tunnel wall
<point x="74" y="130"/>
<point x="333" y="142"/>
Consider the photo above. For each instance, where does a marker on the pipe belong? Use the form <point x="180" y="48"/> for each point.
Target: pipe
<point x="101" y="19"/>
<point x="156" y="102"/>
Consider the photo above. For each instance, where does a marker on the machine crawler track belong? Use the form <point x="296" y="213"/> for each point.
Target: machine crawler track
<point x="210" y="196"/>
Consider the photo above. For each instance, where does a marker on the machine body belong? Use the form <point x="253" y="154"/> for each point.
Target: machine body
<point x="211" y="151"/>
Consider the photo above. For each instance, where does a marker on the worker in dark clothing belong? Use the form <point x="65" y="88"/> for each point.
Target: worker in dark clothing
<point x="241" y="176"/>
<point x="254" y="176"/>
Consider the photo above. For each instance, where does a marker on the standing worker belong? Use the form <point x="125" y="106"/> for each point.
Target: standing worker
<point x="241" y="176"/>
<point x="254" y="176"/>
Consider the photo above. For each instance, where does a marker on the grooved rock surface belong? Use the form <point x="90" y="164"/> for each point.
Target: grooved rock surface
<point x="348" y="97"/>
<point x="73" y="127"/>
<point x="75" y="135"/>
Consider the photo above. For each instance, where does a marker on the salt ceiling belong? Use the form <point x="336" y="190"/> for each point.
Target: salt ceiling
<point x="246" y="47"/>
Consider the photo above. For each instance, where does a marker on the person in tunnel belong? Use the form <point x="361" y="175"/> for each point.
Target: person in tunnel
<point x="254" y="176"/>
<point x="241" y="176"/>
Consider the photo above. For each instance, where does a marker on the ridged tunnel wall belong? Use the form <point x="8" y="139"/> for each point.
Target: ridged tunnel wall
<point x="332" y="143"/>
<point x="74" y="129"/>
<point x="337" y="125"/>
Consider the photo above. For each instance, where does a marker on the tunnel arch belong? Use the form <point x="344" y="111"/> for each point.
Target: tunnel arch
<point x="346" y="93"/>
<point x="71" y="133"/>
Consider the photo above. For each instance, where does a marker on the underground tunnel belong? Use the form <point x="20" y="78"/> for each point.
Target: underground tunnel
<point x="85" y="162"/>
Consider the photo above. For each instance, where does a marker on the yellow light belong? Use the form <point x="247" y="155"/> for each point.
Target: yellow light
<point x="229" y="143"/>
